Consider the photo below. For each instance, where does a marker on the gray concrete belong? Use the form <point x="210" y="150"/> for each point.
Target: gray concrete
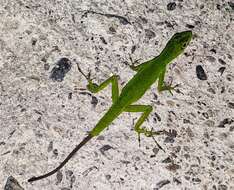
<point x="41" y="121"/>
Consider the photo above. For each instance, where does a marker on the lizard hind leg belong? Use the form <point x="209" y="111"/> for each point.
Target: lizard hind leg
<point x="146" y="109"/>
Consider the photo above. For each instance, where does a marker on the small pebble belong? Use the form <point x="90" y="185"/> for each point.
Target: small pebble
<point x="201" y="73"/>
<point x="105" y="148"/>
<point x="61" y="68"/>
<point x="231" y="105"/>
<point x="59" y="177"/>
<point x="162" y="183"/>
<point x="222" y="62"/>
<point x="94" y="101"/>
<point x="149" y="34"/>
<point x="231" y="4"/>
<point x="171" y="6"/>
<point x="103" y="40"/>
<point x="211" y="59"/>
<point x="190" y="26"/>
<point x="222" y="187"/>
<point x="12" y="184"/>
<point x="70" y="96"/>
<point x="46" y="66"/>
<point x="221" y="70"/>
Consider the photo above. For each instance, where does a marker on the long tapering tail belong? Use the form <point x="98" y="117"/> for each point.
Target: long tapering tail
<point x="82" y="143"/>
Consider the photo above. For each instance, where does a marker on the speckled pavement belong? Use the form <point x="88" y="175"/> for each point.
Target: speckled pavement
<point x="45" y="109"/>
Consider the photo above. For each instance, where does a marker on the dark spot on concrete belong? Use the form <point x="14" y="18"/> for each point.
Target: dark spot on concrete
<point x="43" y="59"/>
<point x="196" y="180"/>
<point x="126" y="162"/>
<point x="169" y="140"/>
<point x="85" y="93"/>
<point x="34" y="41"/>
<point x="201" y="103"/>
<point x="73" y="179"/>
<point x="231" y="129"/>
<point x="190" y="132"/>
<point x="46" y="66"/>
<point x="176" y="181"/>
<point x="205" y="115"/>
<point x="70" y="96"/>
<point x="226" y="121"/>
<point x="169" y="25"/>
<point x="222" y="62"/>
<point x="155" y="150"/>
<point x="7" y="152"/>
<point x="103" y="40"/>
<point x="171" y="6"/>
<point x="105" y="148"/>
<point x="144" y="20"/>
<point x="108" y="177"/>
<point x="55" y="152"/>
<point x="149" y="34"/>
<point x="211" y="59"/>
<point x="202" y="6"/>
<point x="59" y="177"/>
<point x="200" y="73"/>
<point x="222" y="89"/>
<point x="101" y="137"/>
<point x="68" y="174"/>
<point x="190" y="26"/>
<point x="39" y="119"/>
<point x="12" y="184"/>
<point x="133" y="49"/>
<point x="211" y="90"/>
<point x="213" y="50"/>
<point x="60" y="70"/>
<point x="221" y="70"/>
<point x="94" y="101"/>
<point x="167" y="160"/>
<point x="229" y="77"/>
<point x="231" y="105"/>
<point x="222" y="187"/>
<point x="231" y="4"/>
<point x="173" y="167"/>
<point x="186" y="121"/>
<point x="157" y="116"/>
<point x="112" y="29"/>
<point x="155" y="96"/>
<point x="50" y="147"/>
<point x="121" y="19"/>
<point x="162" y="183"/>
<point x="229" y="56"/>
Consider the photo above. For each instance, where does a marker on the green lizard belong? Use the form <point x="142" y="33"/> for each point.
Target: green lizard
<point x="147" y="73"/>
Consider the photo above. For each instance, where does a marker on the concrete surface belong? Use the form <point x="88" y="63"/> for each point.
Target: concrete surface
<point x="42" y="119"/>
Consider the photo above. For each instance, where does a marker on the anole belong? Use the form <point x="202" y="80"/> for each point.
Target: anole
<point x="147" y="74"/>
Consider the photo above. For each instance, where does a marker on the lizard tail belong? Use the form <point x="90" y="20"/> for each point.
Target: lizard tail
<point x="82" y="143"/>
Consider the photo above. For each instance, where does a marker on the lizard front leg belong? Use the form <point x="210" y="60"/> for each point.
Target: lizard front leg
<point x="94" y="88"/>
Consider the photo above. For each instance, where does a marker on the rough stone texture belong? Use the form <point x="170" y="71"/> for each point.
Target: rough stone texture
<point x="12" y="184"/>
<point x="42" y="120"/>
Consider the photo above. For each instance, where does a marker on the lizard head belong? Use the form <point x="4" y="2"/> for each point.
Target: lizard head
<point x="177" y="44"/>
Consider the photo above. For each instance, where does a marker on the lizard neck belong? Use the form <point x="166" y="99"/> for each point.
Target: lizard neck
<point x="165" y="58"/>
